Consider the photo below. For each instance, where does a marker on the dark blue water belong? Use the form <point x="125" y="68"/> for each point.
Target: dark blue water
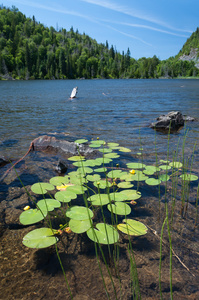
<point x="115" y="110"/>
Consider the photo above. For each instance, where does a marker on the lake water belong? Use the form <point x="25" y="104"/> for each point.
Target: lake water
<point x="115" y="110"/>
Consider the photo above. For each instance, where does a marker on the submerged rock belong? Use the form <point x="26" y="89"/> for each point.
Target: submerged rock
<point x="173" y="120"/>
<point x="62" y="166"/>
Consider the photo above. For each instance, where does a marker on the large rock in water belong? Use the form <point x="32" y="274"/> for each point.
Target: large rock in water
<point x="173" y="120"/>
<point x="51" y="144"/>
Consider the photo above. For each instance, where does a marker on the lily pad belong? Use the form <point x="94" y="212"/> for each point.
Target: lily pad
<point x="59" y="180"/>
<point x="32" y="216"/>
<point x="117" y="196"/>
<point x="106" y="150"/>
<point x="176" y="164"/>
<point x="101" y="170"/>
<point x="76" y="158"/>
<point x="40" y="238"/>
<point x="123" y="149"/>
<point x="99" y="142"/>
<point x="103" y="160"/>
<point x="95" y="177"/>
<point x="80" y="226"/>
<point x="103" y="234"/>
<point x="189" y="177"/>
<point x="42" y="187"/>
<point x="77" y="189"/>
<point x="132" y="227"/>
<point x="84" y="170"/>
<point x="114" y="174"/>
<point x="97" y="199"/>
<point x="119" y="208"/>
<point x="164" y="177"/>
<point x="65" y="196"/>
<point x="79" y="213"/>
<point x="111" y="155"/>
<point x="110" y="145"/>
<point x="136" y="166"/>
<point x="131" y="194"/>
<point x="153" y="181"/>
<point x="81" y="141"/>
<point x="46" y="205"/>
<point x="165" y="167"/>
<point x="125" y="185"/>
<point x="102" y="184"/>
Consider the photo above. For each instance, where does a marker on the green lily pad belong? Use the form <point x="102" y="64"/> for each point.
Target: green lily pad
<point x="97" y="199"/>
<point x="127" y="176"/>
<point x="153" y="181"/>
<point x="84" y="170"/>
<point x="101" y="170"/>
<point x="152" y="168"/>
<point x="119" y="208"/>
<point x="81" y="141"/>
<point x="99" y="142"/>
<point x="103" y="234"/>
<point x="131" y="194"/>
<point x="117" y="196"/>
<point x="40" y="238"/>
<point x="189" y="177"/>
<point x="42" y="187"/>
<point x="111" y="155"/>
<point x="95" y="145"/>
<point x="139" y="176"/>
<point x="46" y="205"/>
<point x="110" y="145"/>
<point x="123" y="149"/>
<point x="132" y="227"/>
<point x="164" y="161"/>
<point x="106" y="150"/>
<point x="114" y="174"/>
<point x="165" y="167"/>
<point x="164" y="177"/>
<point x="78" y="180"/>
<point x="80" y="226"/>
<point x="31" y="216"/>
<point x="136" y="166"/>
<point x="103" y="160"/>
<point x="125" y="185"/>
<point x="79" y="213"/>
<point x="102" y="184"/>
<point x="65" y="196"/>
<point x="76" y="158"/>
<point x="175" y="164"/>
<point x="95" y="177"/>
<point x="59" y="180"/>
<point x="77" y="189"/>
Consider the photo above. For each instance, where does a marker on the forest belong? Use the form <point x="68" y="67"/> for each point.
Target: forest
<point x="30" y="50"/>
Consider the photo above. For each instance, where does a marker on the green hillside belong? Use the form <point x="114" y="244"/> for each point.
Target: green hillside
<point x="30" y="50"/>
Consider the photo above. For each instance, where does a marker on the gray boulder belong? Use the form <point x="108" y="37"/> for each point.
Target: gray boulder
<point x="173" y="120"/>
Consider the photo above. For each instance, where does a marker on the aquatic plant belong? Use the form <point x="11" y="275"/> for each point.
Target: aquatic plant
<point x="95" y="187"/>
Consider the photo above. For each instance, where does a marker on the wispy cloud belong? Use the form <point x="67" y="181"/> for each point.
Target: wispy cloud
<point x="133" y="13"/>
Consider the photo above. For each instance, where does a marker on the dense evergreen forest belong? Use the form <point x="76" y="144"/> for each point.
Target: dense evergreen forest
<point x="30" y="50"/>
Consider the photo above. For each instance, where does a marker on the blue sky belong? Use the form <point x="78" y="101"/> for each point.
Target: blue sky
<point x="147" y="27"/>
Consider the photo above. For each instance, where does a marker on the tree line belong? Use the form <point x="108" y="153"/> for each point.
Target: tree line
<point x="30" y="50"/>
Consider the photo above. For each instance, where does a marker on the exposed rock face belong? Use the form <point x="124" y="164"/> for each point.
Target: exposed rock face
<point x="193" y="56"/>
<point x="173" y="120"/>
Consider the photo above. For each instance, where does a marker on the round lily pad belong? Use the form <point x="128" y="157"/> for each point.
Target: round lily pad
<point x="42" y="187"/>
<point x="79" y="213"/>
<point x="81" y="141"/>
<point x="153" y="181"/>
<point x="59" y="180"/>
<point x="46" y="205"/>
<point x="125" y="185"/>
<point x="189" y="177"/>
<point x="123" y="149"/>
<point x="164" y="177"/>
<point x="175" y="164"/>
<point x="102" y="184"/>
<point x="80" y="226"/>
<point x="99" y="142"/>
<point x="119" y="208"/>
<point x="40" y="238"/>
<point x="106" y="150"/>
<point x="136" y="166"/>
<point x="165" y="167"/>
<point x="131" y="194"/>
<point x="117" y="196"/>
<point x="103" y="234"/>
<point x="103" y="160"/>
<point x="97" y="199"/>
<point x="101" y="170"/>
<point x="77" y="189"/>
<point x="76" y="158"/>
<point x="114" y="174"/>
<point x="95" y="177"/>
<point x="84" y="170"/>
<point x="32" y="216"/>
<point x="111" y="155"/>
<point x="65" y="196"/>
<point x="132" y="227"/>
<point x="110" y="145"/>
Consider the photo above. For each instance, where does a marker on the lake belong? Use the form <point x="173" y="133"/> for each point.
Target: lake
<point x="115" y="110"/>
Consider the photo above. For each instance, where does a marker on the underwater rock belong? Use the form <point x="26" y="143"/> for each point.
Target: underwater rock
<point x="173" y="120"/>
<point x="3" y="161"/>
<point x="61" y="167"/>
<point x="51" y="144"/>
